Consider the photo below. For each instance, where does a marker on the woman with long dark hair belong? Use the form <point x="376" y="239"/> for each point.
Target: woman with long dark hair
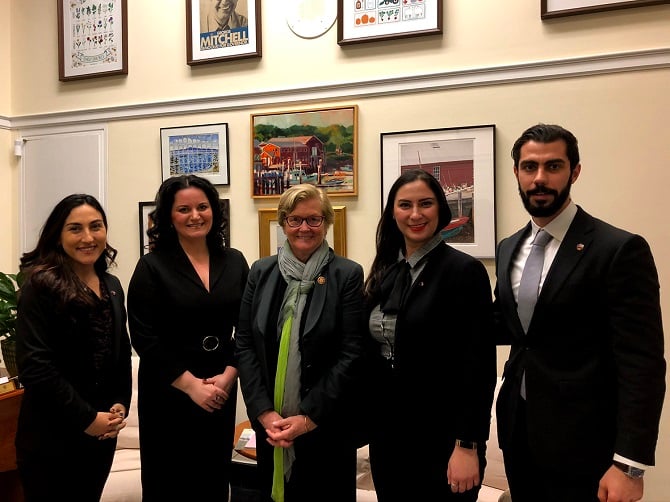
<point x="432" y="353"/>
<point x="73" y="355"/>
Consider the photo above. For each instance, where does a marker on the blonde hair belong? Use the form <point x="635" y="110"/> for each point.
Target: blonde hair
<point x="298" y="193"/>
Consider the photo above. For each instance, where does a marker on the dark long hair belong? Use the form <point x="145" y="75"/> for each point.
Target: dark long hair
<point x="162" y="235"/>
<point x="48" y="265"/>
<point x="389" y="238"/>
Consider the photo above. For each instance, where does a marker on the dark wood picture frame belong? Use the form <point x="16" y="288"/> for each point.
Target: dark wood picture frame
<point x="551" y="9"/>
<point x="217" y="45"/>
<point x="92" y="39"/>
<point x="361" y="21"/>
<point x="196" y="149"/>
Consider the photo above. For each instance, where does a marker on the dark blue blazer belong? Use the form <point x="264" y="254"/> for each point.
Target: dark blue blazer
<point x="593" y="354"/>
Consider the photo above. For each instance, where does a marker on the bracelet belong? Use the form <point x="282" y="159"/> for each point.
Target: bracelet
<point x="306" y="427"/>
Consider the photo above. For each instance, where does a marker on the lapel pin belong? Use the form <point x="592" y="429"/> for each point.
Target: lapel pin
<point x="113" y="293"/>
<point x="580" y="247"/>
<point x="321" y="280"/>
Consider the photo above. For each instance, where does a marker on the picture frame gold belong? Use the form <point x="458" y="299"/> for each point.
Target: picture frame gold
<point x="92" y="39"/>
<point x="270" y="233"/>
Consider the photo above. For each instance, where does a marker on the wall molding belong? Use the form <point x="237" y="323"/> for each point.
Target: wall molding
<point x="475" y="77"/>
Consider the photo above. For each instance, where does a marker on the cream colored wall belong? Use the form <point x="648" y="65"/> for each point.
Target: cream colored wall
<point x="476" y="34"/>
<point x="620" y="119"/>
<point x="8" y="203"/>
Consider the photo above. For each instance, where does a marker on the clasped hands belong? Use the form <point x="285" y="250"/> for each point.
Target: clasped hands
<point x="283" y="431"/>
<point x="107" y="424"/>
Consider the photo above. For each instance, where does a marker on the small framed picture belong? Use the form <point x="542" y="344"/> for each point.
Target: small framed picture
<point x="92" y="39"/>
<point x="304" y="146"/>
<point x="222" y="31"/>
<point x="146" y="222"/>
<point x="462" y="159"/>
<point x="360" y="21"/>
<point x="271" y="236"/>
<point x="561" y="8"/>
<point x="201" y="150"/>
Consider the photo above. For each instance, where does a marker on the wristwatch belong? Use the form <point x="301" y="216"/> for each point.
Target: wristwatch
<point x="469" y="445"/>
<point x="629" y="470"/>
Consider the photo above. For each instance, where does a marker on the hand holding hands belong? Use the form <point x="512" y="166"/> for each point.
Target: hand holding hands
<point x="283" y="431"/>
<point x="108" y="424"/>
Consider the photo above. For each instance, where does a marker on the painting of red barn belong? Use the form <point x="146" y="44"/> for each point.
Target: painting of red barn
<point x="307" y="146"/>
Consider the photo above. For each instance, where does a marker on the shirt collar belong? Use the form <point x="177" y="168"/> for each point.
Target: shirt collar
<point x="558" y="227"/>
<point x="418" y="255"/>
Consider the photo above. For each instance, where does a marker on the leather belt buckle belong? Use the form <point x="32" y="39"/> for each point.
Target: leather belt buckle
<point x="210" y="343"/>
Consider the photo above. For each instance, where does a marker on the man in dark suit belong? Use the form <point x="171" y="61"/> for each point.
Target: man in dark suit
<point x="578" y="413"/>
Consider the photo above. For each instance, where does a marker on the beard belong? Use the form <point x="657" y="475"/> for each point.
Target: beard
<point x="544" y="210"/>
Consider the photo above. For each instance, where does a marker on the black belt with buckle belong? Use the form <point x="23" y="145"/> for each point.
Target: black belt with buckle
<point x="210" y="343"/>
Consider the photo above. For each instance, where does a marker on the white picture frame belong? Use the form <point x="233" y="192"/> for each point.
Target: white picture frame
<point x="463" y="161"/>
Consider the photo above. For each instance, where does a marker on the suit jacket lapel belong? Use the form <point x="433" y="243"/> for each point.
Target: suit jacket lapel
<point x="506" y="258"/>
<point x="575" y="245"/>
<point x="267" y="301"/>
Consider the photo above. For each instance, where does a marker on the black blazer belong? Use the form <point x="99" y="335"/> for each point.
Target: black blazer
<point x="593" y="354"/>
<point x="331" y="338"/>
<point x="445" y="353"/>
<point x="63" y="392"/>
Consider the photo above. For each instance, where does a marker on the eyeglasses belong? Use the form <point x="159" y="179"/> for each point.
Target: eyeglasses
<point x="312" y="221"/>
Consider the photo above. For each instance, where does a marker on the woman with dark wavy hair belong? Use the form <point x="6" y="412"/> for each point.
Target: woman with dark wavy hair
<point x="183" y="304"/>
<point x="73" y="356"/>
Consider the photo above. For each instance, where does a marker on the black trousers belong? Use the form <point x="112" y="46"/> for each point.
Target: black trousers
<point x="78" y="473"/>
<point x="532" y="478"/>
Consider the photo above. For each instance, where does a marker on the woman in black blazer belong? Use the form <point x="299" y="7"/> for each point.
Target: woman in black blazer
<point x="73" y="355"/>
<point x="298" y="343"/>
<point x="183" y="303"/>
<point x="432" y="353"/>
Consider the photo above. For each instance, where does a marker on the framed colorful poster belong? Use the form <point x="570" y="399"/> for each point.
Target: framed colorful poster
<point x="218" y="30"/>
<point x="361" y="21"/>
<point x="92" y="39"/>
<point x="201" y="150"/>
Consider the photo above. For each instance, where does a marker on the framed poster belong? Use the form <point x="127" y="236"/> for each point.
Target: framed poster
<point x="201" y="150"/>
<point x="92" y="39"/>
<point x="304" y="146"/>
<point x="462" y="159"/>
<point x="271" y="236"/>
<point x="361" y="21"/>
<point x="561" y="8"/>
<point x="222" y="31"/>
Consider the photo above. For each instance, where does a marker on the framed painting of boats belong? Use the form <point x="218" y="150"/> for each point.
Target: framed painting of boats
<point x="306" y="146"/>
<point x="462" y="159"/>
